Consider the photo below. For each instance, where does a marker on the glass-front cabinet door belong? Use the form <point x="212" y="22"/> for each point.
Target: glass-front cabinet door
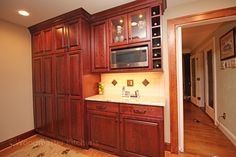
<point x="138" y="25"/>
<point x="118" y="30"/>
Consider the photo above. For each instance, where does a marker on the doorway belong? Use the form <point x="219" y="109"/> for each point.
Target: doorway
<point x="176" y="107"/>
<point x="201" y="134"/>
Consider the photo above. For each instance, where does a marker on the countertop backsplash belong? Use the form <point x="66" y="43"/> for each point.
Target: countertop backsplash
<point x="155" y="87"/>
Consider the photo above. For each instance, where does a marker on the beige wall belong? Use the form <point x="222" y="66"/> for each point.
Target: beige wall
<point x="16" y="104"/>
<point x="226" y="86"/>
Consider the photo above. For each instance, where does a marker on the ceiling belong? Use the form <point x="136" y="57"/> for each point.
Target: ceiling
<point x="42" y="10"/>
<point x="193" y="36"/>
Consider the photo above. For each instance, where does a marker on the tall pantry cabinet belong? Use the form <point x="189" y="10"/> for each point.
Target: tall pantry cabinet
<point x="62" y="76"/>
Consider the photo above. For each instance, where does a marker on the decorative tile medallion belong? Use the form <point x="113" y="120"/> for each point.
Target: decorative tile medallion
<point x="114" y="82"/>
<point x="145" y="82"/>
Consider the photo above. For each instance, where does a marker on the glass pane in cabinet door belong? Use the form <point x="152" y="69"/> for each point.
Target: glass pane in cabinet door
<point x="118" y="30"/>
<point x="138" y="25"/>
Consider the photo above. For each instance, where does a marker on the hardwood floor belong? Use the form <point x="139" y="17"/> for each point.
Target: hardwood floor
<point x="90" y="153"/>
<point x="202" y="137"/>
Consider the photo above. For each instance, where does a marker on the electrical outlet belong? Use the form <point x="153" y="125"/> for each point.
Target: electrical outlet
<point x="224" y="115"/>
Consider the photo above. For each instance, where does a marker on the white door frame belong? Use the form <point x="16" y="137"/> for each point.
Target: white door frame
<point x="210" y="45"/>
<point x="180" y="87"/>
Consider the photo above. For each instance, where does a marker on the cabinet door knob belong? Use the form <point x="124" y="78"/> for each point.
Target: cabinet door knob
<point x="139" y="111"/>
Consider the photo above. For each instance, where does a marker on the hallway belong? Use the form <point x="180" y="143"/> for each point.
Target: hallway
<point x="202" y="137"/>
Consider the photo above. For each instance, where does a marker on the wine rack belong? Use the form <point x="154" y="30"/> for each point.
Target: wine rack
<point x="156" y="38"/>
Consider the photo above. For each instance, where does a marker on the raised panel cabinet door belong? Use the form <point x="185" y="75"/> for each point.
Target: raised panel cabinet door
<point x="60" y="40"/>
<point x="141" y="137"/>
<point x="37" y="75"/>
<point x="38" y="113"/>
<point x="48" y="75"/>
<point x="62" y="114"/>
<point x="74" y="74"/>
<point x="100" y="47"/>
<point x="61" y="64"/>
<point x="48" y="40"/>
<point x="139" y="25"/>
<point x="37" y="43"/>
<point x="76" y="121"/>
<point x="104" y="130"/>
<point x="73" y="32"/>
<point x="118" y="30"/>
<point x="49" y="115"/>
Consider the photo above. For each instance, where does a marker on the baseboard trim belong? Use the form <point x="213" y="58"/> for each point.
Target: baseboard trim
<point x="167" y="146"/>
<point x="16" y="139"/>
<point x="227" y="132"/>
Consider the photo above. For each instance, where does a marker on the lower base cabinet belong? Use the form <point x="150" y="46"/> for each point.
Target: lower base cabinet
<point x="126" y="130"/>
<point x="141" y="137"/>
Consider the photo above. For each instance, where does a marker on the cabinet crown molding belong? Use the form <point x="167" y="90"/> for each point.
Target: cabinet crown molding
<point x="75" y="14"/>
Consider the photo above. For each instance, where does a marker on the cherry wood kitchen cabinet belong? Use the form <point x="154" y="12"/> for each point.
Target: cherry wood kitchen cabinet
<point x="118" y="30"/>
<point x="74" y="73"/>
<point x="99" y="44"/>
<point x="42" y="42"/>
<point x="130" y="28"/>
<point x="126" y="129"/>
<point x="47" y="41"/>
<point x="48" y="94"/>
<point x="103" y="125"/>
<point x="38" y="115"/>
<point x="139" y="25"/>
<point x="141" y="136"/>
<point x="142" y="132"/>
<point x="67" y="36"/>
<point x="37" y="43"/>
<point x="37" y="74"/>
<point x="59" y="38"/>
<point x="44" y="96"/>
<point x="76" y="121"/>
<point x="73" y="34"/>
<point x="62" y="76"/>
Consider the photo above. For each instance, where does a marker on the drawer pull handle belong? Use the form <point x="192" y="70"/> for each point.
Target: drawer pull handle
<point x="101" y="107"/>
<point x="139" y="111"/>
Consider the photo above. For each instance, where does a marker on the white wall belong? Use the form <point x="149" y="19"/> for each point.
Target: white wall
<point x="226" y="86"/>
<point x="16" y="104"/>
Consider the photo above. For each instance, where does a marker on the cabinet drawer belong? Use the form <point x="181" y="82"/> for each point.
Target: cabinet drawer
<point x="102" y="106"/>
<point x="149" y="111"/>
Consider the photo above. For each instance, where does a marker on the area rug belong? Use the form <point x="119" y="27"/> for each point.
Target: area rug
<point x="45" y="148"/>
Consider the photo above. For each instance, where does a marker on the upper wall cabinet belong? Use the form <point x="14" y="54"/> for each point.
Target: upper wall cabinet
<point x="139" y="27"/>
<point x="130" y="28"/>
<point x="42" y="42"/>
<point x="47" y="40"/>
<point x="99" y="47"/>
<point x="118" y="30"/>
<point x="67" y="36"/>
<point x="37" y="43"/>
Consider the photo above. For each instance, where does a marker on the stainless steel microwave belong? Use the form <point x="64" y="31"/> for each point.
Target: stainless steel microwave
<point x="136" y="57"/>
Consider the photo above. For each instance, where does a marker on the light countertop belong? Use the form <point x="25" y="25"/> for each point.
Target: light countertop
<point x="153" y="101"/>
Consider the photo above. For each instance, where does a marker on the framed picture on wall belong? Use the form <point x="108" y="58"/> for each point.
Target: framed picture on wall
<point x="227" y="45"/>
